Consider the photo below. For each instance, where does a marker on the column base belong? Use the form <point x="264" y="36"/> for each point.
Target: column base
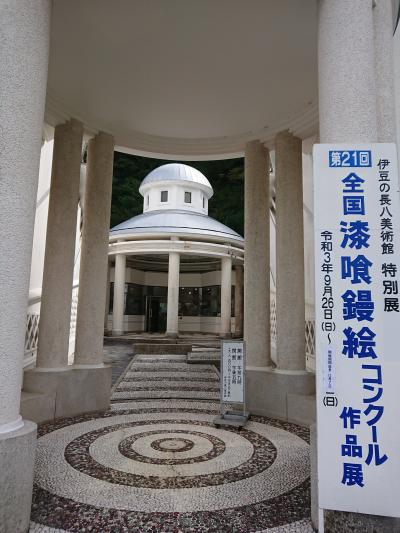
<point x="285" y="395"/>
<point x="117" y="333"/>
<point x="69" y="392"/>
<point x="339" y="521"/>
<point x="225" y="335"/>
<point x="17" y="462"/>
<point x="171" y="335"/>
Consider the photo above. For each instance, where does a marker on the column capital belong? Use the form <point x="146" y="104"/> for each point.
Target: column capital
<point x="286" y="136"/>
<point x="254" y="147"/>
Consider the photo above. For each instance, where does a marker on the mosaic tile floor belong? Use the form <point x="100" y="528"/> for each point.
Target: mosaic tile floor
<point x="156" y="463"/>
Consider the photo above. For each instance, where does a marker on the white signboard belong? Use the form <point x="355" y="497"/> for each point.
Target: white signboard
<point x="232" y="372"/>
<point x="357" y="271"/>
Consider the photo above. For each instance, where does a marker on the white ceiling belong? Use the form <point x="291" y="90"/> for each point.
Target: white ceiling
<point x="194" y="78"/>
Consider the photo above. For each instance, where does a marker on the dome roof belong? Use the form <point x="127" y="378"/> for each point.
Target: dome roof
<point x="177" y="222"/>
<point x="177" y="172"/>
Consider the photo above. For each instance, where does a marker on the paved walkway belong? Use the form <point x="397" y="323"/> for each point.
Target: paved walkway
<point x="156" y="463"/>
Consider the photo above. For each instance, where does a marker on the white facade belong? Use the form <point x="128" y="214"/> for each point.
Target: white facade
<point x="174" y="225"/>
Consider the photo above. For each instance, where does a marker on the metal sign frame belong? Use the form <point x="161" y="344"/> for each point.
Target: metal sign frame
<point x="231" y="417"/>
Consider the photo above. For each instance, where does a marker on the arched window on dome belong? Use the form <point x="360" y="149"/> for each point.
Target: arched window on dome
<point x="164" y="196"/>
<point x="188" y="197"/>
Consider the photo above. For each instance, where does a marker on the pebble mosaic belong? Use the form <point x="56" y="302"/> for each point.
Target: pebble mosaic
<point x="160" y="465"/>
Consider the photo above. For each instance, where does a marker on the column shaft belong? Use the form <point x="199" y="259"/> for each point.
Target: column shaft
<point x="226" y="296"/>
<point x="173" y="294"/>
<point x="346" y="71"/>
<point x="58" y="273"/>
<point x="290" y="298"/>
<point x="238" y="300"/>
<point x="93" y="269"/>
<point x="25" y="31"/>
<point x="119" y="294"/>
<point x="348" y="113"/>
<point x="257" y="256"/>
<point x="107" y="307"/>
<point x="385" y="97"/>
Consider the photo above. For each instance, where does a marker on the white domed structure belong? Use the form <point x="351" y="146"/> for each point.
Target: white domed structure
<point x="173" y="263"/>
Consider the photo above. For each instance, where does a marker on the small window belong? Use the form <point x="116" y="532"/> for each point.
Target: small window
<point x="147" y="200"/>
<point x="164" y="196"/>
<point x="204" y="202"/>
<point x="188" y="197"/>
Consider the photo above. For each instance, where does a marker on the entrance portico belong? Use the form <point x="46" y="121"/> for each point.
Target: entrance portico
<point x="143" y="82"/>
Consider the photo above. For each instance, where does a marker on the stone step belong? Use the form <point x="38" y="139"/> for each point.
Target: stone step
<point x="132" y="395"/>
<point x="171" y="385"/>
<point x="161" y="349"/>
<point x="187" y="375"/>
<point x="172" y="377"/>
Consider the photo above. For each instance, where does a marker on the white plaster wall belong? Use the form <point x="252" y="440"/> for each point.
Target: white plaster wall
<point x="176" y="198"/>
<point x="42" y="206"/>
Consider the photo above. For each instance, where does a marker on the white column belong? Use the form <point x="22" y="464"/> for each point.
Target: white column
<point x="24" y="44"/>
<point x="226" y="297"/>
<point x="238" y="300"/>
<point x="119" y="294"/>
<point x="24" y="38"/>
<point x="347" y="113"/>
<point x="346" y="71"/>
<point x="290" y="298"/>
<point x="385" y="99"/>
<point x="58" y="273"/>
<point x="94" y="250"/>
<point x="107" y="307"/>
<point x="257" y="261"/>
<point x="173" y="294"/>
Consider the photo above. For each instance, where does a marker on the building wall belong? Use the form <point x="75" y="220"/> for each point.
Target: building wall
<point x="176" y="199"/>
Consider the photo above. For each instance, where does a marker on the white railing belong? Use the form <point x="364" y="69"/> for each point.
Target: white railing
<point x="309" y="331"/>
<point x="32" y="327"/>
<point x="31" y="339"/>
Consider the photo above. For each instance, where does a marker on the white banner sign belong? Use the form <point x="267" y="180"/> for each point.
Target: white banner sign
<point x="232" y="371"/>
<point x="357" y="271"/>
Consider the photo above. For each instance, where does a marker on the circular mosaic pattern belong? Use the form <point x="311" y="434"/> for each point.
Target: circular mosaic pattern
<point x="126" y="448"/>
<point x="109" y="471"/>
<point x="172" y="445"/>
<point x="78" y="455"/>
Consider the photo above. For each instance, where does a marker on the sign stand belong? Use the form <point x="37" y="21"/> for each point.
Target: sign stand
<point x="233" y="364"/>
